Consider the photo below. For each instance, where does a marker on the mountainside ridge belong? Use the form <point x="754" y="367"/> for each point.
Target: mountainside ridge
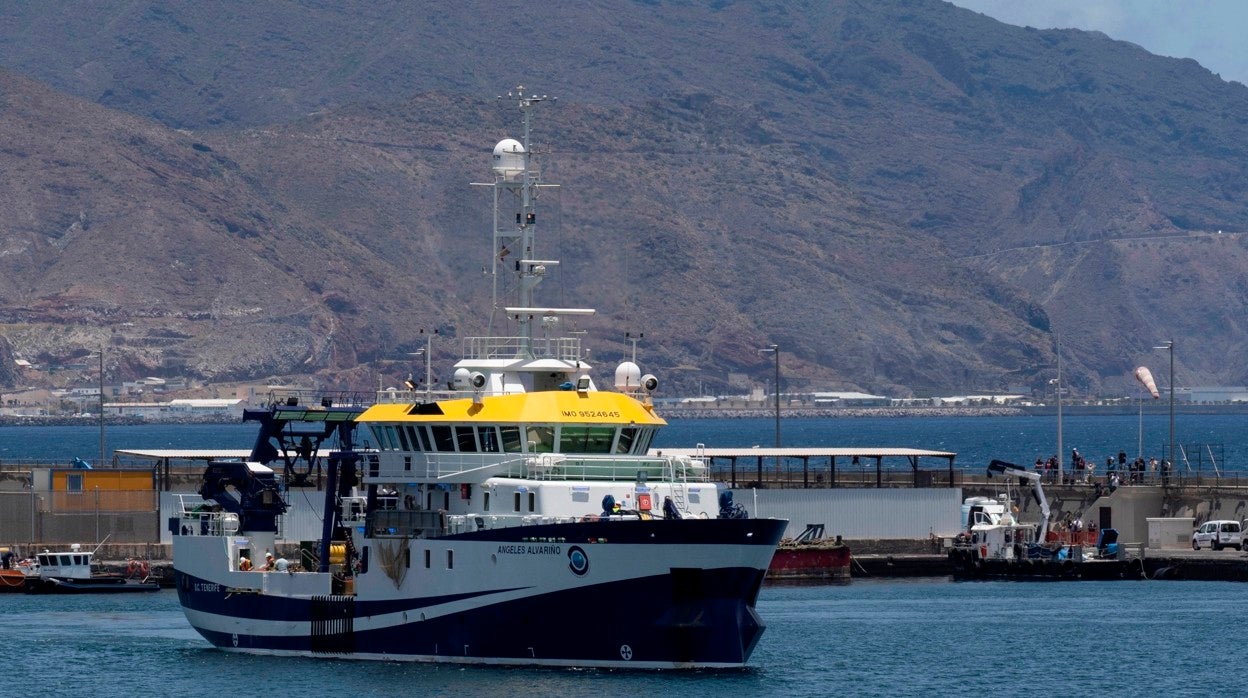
<point x="905" y="196"/>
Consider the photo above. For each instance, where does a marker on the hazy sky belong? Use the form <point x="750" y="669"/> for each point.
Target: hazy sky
<point x="1211" y="31"/>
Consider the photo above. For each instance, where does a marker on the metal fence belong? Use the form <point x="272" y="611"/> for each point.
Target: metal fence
<point x="50" y="518"/>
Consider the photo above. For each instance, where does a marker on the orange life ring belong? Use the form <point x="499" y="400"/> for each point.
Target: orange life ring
<point x="132" y="569"/>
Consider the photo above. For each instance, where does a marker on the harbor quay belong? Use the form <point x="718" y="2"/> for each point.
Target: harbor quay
<point x="898" y="518"/>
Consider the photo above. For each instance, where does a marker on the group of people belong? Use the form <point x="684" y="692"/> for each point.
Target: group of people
<point x="271" y="564"/>
<point x="1117" y="470"/>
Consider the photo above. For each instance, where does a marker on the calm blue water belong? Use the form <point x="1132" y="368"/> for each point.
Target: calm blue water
<point x="976" y="440"/>
<point x="927" y="637"/>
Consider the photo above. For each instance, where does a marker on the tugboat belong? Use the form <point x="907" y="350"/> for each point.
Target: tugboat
<point x="516" y="519"/>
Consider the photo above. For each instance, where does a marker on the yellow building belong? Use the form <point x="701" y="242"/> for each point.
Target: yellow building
<point x="114" y="489"/>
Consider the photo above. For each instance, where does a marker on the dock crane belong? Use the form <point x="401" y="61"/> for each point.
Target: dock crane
<point x="1000" y="467"/>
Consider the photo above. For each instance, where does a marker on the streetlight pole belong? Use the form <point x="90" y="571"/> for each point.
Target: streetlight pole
<point x="427" y="351"/>
<point x="775" y="349"/>
<point x="101" y="409"/>
<point x="1169" y="346"/>
<point x="1061" y="476"/>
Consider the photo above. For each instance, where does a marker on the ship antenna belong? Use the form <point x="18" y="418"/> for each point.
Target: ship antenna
<point x="516" y="173"/>
<point x="628" y="337"/>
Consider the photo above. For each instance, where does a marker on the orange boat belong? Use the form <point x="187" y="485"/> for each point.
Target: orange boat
<point x="12" y="580"/>
<point x="13" y="574"/>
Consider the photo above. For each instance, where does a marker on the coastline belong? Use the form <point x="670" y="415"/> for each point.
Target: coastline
<point x="673" y="411"/>
<point x="702" y="412"/>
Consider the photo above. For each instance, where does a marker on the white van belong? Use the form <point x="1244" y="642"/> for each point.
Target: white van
<point x="1218" y="535"/>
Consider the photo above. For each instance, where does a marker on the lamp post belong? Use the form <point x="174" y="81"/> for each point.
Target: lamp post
<point x="1169" y="346"/>
<point x="427" y="351"/>
<point x="775" y="349"/>
<point x="101" y="409"/>
<point x="1058" y="393"/>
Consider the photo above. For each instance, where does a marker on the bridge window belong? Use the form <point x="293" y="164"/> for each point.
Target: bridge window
<point x="403" y="438"/>
<point x="541" y="439"/>
<point x="377" y="434"/>
<point x="625" y="443"/>
<point x="645" y="436"/>
<point x="466" y="437"/>
<point x="585" y="439"/>
<point x="512" y="443"/>
<point x="423" y="436"/>
<point x="443" y="439"/>
<point x="411" y="438"/>
<point x="489" y="439"/>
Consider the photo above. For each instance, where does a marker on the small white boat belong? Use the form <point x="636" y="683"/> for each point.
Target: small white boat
<point x="70" y="572"/>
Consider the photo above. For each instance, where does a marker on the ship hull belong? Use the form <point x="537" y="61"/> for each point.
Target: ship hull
<point x="106" y="585"/>
<point x="591" y="594"/>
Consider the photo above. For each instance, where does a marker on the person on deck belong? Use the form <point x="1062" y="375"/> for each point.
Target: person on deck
<point x="669" y="509"/>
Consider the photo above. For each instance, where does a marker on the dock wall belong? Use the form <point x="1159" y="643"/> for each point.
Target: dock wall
<point x="855" y="514"/>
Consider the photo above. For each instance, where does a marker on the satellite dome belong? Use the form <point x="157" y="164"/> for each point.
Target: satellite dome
<point x="627" y="377"/>
<point x="509" y="156"/>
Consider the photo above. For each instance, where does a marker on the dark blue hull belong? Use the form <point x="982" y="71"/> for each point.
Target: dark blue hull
<point x="585" y="627"/>
<point x="688" y="617"/>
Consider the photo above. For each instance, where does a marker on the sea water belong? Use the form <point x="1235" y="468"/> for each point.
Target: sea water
<point x="915" y="637"/>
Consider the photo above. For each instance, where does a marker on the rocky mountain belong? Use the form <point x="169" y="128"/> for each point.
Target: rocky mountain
<point x="904" y="195"/>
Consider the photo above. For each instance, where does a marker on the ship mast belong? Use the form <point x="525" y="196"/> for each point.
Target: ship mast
<point x="517" y="180"/>
<point x="495" y="364"/>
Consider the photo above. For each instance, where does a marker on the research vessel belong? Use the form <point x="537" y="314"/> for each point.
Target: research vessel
<point x="516" y="518"/>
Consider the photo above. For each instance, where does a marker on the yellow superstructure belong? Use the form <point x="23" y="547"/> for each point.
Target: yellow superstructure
<point x="564" y="406"/>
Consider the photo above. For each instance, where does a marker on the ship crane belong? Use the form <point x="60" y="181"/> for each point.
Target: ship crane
<point x="1011" y="470"/>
